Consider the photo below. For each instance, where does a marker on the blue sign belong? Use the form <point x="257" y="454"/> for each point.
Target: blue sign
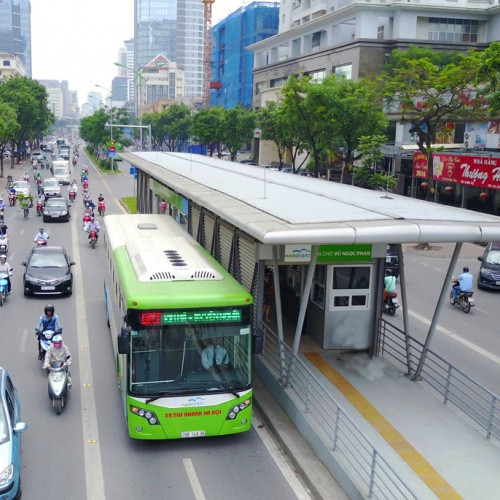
<point x="133" y="171"/>
<point x="112" y="154"/>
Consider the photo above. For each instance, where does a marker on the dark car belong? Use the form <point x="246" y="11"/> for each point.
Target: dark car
<point x="48" y="271"/>
<point x="10" y="438"/>
<point x="248" y="162"/>
<point x="56" y="208"/>
<point x="489" y="274"/>
<point x="392" y="261"/>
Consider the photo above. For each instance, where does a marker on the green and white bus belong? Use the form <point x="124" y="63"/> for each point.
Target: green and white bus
<point x="170" y="305"/>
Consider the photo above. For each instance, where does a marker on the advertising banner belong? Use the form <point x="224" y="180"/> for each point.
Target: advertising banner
<point x="478" y="171"/>
<point x="420" y="165"/>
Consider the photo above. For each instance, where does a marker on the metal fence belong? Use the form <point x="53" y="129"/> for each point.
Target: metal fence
<point x="456" y="387"/>
<point x="345" y="439"/>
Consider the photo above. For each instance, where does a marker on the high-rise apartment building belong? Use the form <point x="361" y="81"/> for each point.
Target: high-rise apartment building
<point x="173" y="28"/>
<point x="232" y="64"/>
<point x="15" y="30"/>
<point x="126" y="59"/>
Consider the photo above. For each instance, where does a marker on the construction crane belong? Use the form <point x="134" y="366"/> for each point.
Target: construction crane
<point x="207" y="51"/>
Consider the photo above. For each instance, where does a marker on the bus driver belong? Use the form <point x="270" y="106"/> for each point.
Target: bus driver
<point x="214" y="355"/>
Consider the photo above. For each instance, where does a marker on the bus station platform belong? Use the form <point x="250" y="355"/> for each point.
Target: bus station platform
<point x="434" y="449"/>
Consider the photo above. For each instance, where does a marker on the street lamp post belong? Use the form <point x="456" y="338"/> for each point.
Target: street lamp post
<point x="140" y="78"/>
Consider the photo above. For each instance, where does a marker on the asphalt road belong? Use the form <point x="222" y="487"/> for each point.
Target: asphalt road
<point x="86" y="452"/>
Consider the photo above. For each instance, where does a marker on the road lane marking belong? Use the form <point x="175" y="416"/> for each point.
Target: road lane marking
<point x="279" y="459"/>
<point x="458" y="338"/>
<point x="193" y="479"/>
<point x="24" y="338"/>
<point x="94" y="478"/>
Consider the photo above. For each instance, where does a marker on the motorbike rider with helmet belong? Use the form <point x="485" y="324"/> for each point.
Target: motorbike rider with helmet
<point x="6" y="268"/>
<point x="3" y="229"/>
<point x="463" y="283"/>
<point x="93" y="225"/>
<point x="41" y="235"/>
<point x="2" y="204"/>
<point x="389" y="283"/>
<point x="58" y="351"/>
<point x="49" y="320"/>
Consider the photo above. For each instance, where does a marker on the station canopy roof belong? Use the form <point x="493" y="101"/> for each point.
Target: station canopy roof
<point x="281" y="208"/>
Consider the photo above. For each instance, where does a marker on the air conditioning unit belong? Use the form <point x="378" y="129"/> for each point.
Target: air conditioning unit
<point x="470" y="140"/>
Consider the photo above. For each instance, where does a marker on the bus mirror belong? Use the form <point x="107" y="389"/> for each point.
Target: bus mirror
<point x="258" y="341"/>
<point x="123" y="340"/>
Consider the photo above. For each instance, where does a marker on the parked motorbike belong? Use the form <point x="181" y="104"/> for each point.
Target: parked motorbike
<point x="93" y="238"/>
<point x="4" y="286"/>
<point x="101" y="208"/>
<point x="390" y="304"/>
<point x="4" y="243"/>
<point x="39" y="208"/>
<point x="58" y="386"/>
<point x="44" y="341"/>
<point x="465" y="300"/>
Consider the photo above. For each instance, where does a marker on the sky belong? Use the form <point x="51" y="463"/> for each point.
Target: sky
<point x="78" y="40"/>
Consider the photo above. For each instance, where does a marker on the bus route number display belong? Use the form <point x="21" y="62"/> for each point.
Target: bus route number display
<point x="186" y="317"/>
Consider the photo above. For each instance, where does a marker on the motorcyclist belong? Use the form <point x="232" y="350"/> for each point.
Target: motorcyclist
<point x="6" y="268"/>
<point x="58" y="351"/>
<point x="100" y="197"/>
<point x="49" y="320"/>
<point x="41" y="197"/>
<point x="2" y="204"/>
<point x="26" y="177"/>
<point x="463" y="283"/>
<point x="389" y="284"/>
<point x="93" y="225"/>
<point x="41" y="235"/>
<point x="3" y="229"/>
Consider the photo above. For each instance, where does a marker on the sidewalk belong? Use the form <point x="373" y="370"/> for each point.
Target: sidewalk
<point x="437" y="450"/>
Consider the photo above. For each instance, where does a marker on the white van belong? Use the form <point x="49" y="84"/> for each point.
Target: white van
<point x="61" y="171"/>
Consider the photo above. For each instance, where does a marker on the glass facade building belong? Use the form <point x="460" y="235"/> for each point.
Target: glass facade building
<point x="15" y="30"/>
<point x="173" y="28"/>
<point x="232" y="65"/>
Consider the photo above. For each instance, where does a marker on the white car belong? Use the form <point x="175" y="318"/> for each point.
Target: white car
<point x="51" y="187"/>
<point x="22" y="187"/>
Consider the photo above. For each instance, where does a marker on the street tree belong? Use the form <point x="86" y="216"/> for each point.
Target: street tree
<point x="370" y="174"/>
<point x="268" y="120"/>
<point x="208" y="129"/>
<point x="29" y="99"/>
<point x="239" y="125"/>
<point x="176" y="122"/>
<point x="9" y="128"/>
<point x="489" y="76"/>
<point x="93" y="131"/>
<point x="430" y="96"/>
<point x="350" y="110"/>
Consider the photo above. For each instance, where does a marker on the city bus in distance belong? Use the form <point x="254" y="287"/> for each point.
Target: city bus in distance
<point x="170" y="305"/>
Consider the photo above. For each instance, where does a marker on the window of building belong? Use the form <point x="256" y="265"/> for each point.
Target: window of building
<point x="317" y="76"/>
<point x="345" y="70"/>
<point x="278" y="82"/>
<point x="260" y="86"/>
<point x="351" y="287"/>
<point x="6" y="63"/>
<point x="453" y="30"/>
<point x="316" y="40"/>
<point x="380" y="32"/>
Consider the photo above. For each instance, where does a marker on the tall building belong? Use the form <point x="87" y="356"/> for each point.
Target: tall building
<point x="126" y="58"/>
<point x="15" y="30"/>
<point x="173" y="28"/>
<point x="232" y="65"/>
<point x="354" y="38"/>
<point x="62" y="101"/>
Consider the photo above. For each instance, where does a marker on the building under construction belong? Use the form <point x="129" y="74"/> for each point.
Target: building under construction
<point x="232" y="65"/>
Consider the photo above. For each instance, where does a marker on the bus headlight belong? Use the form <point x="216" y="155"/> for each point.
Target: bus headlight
<point x="147" y="414"/>
<point x="233" y="412"/>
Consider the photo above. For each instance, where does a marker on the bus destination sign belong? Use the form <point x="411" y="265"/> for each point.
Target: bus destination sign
<point x="189" y="317"/>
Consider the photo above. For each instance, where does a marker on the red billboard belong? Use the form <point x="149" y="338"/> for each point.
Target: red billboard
<point x="478" y="171"/>
<point x="420" y="165"/>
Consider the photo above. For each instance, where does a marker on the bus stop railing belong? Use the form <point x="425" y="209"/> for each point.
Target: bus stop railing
<point x="456" y="387"/>
<point x="362" y="461"/>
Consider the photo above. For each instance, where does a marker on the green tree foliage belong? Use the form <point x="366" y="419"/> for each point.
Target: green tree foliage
<point x="370" y="149"/>
<point x="208" y="128"/>
<point x="93" y="131"/>
<point x="29" y="99"/>
<point x="176" y="122"/>
<point x="9" y="128"/>
<point x="239" y="125"/>
<point x="489" y="76"/>
<point x="429" y="96"/>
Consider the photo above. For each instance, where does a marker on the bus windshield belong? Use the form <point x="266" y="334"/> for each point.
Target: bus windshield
<point x="191" y="358"/>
